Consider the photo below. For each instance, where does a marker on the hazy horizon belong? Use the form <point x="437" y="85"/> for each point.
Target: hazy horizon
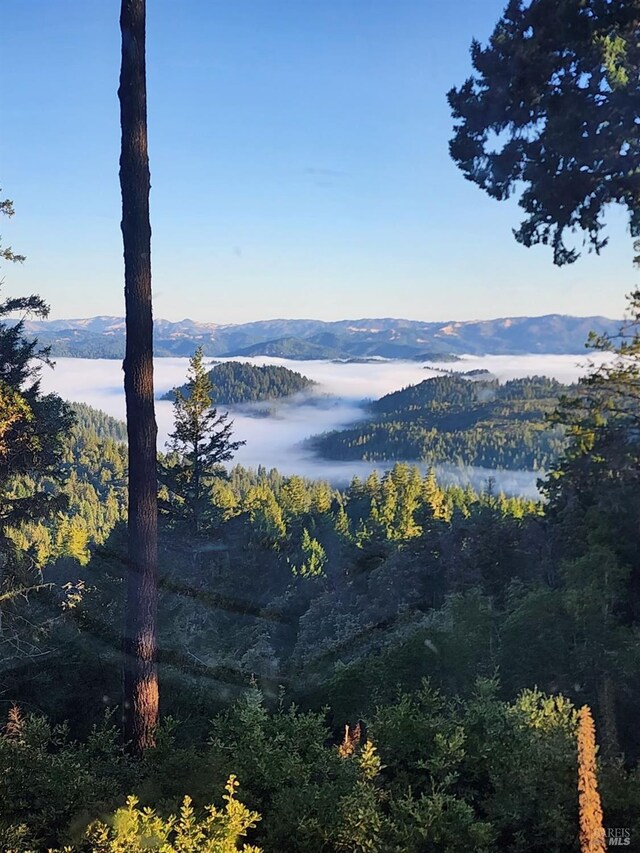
<point x="351" y="319"/>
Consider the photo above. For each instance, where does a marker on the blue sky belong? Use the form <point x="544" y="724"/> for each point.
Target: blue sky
<point x="299" y="166"/>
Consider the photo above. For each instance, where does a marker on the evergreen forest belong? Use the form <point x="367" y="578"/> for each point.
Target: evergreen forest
<point x="197" y="657"/>
<point x="454" y="420"/>
<point x="234" y="383"/>
<point x="363" y="669"/>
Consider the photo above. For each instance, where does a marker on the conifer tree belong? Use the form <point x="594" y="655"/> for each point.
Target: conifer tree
<point x="294" y="496"/>
<point x="313" y="557"/>
<point x="551" y="113"/>
<point x="31" y="424"/>
<point x="31" y="428"/>
<point x="200" y="441"/>
<point x="267" y="522"/>
<point x="609" y="395"/>
<point x="140" y="632"/>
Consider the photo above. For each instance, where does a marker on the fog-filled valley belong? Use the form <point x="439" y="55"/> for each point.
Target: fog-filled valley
<point x="320" y="427"/>
<point x="277" y="440"/>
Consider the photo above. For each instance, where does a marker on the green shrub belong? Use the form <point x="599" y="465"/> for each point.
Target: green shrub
<point x="134" y="830"/>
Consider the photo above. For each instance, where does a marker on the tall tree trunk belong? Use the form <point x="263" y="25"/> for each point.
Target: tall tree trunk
<point x="139" y="640"/>
<point x="607" y="709"/>
<point x="196" y="487"/>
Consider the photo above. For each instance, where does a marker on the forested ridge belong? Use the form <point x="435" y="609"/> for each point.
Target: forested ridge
<point x="459" y="420"/>
<point x="234" y="383"/>
<point x="93" y="464"/>
<point x="200" y="658"/>
<point x="454" y="634"/>
<point x="362" y="594"/>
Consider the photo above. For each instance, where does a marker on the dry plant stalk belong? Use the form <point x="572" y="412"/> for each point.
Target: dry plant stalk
<point x="15" y="723"/>
<point x="350" y="741"/>
<point x="592" y="834"/>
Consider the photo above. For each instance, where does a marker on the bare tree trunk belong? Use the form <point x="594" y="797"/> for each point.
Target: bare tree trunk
<point x="607" y="709"/>
<point x="139" y="640"/>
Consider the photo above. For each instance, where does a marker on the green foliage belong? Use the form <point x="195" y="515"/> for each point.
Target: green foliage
<point x="313" y="557"/>
<point x="50" y="784"/>
<point x="456" y="420"/>
<point x="134" y="830"/>
<point x="90" y="420"/>
<point x="294" y="780"/>
<point x="233" y="383"/>
<point x="31" y="424"/>
<point x="349" y="598"/>
<point x="92" y="497"/>
<point x="200" y="441"/>
<point x="550" y="112"/>
<point x="433" y="772"/>
<point x="603" y="415"/>
<point x="31" y="429"/>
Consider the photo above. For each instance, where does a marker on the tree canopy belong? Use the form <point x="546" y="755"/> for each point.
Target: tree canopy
<point x="31" y="424"/>
<point x="552" y="112"/>
<point x="31" y="429"/>
<point x="201" y="441"/>
<point x="233" y="382"/>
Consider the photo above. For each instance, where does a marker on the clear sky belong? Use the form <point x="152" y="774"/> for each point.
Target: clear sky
<point x="299" y="166"/>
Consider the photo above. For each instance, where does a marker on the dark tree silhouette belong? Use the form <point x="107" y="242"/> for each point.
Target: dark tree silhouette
<point x="551" y="113"/>
<point x="139" y="640"/>
<point x="32" y="427"/>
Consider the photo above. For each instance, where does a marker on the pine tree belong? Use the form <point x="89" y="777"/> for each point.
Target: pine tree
<point x="314" y="557"/>
<point x="267" y="523"/>
<point x="433" y="495"/>
<point x="31" y="424"/>
<point x="140" y="683"/>
<point x="294" y="496"/>
<point x="31" y="430"/>
<point x="550" y="113"/>
<point x="388" y="506"/>
<point x="200" y="442"/>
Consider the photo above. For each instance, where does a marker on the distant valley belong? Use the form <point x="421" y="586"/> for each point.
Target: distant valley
<point x="104" y="337"/>
<point x="345" y="398"/>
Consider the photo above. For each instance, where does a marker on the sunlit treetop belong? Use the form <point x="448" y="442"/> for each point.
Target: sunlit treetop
<point x="552" y="114"/>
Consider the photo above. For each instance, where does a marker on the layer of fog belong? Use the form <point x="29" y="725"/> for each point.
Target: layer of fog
<point x="277" y="441"/>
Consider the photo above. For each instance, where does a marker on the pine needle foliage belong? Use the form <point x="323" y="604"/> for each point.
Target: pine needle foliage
<point x="200" y="442"/>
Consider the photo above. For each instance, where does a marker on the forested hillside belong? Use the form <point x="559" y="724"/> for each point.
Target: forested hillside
<point x="233" y="383"/>
<point x="93" y="464"/>
<point x="362" y="594"/>
<point x="197" y="657"/>
<point x="459" y="421"/>
<point x="380" y="665"/>
<point x="456" y="634"/>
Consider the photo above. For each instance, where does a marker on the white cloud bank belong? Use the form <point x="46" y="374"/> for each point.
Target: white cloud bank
<point x="277" y="441"/>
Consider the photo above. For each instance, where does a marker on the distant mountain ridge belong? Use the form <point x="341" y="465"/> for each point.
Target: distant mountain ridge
<point x="103" y="337"/>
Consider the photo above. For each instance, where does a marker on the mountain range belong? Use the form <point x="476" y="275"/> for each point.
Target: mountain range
<point x="104" y="337"/>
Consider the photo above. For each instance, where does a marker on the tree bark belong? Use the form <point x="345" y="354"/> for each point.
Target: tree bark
<point x="140" y="681"/>
<point x="607" y="708"/>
